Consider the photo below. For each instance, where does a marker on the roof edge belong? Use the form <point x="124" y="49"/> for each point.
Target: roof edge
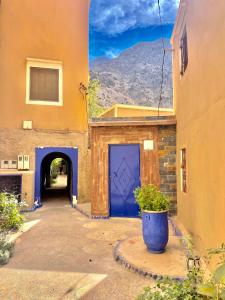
<point x="146" y="121"/>
<point x="182" y="7"/>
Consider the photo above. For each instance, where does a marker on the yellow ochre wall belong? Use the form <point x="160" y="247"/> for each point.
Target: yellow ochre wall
<point x="199" y="98"/>
<point x="137" y="112"/>
<point x="123" y="110"/>
<point x="50" y="30"/>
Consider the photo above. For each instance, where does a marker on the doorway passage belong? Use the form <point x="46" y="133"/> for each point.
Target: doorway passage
<point x="56" y="174"/>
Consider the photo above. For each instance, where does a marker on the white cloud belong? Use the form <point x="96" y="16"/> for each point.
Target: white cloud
<point x="116" y="16"/>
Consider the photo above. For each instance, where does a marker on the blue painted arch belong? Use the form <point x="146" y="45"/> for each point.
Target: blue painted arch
<point x="41" y="153"/>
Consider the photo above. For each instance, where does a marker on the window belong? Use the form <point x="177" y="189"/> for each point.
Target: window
<point x="183" y="171"/>
<point x="44" y="82"/>
<point x="183" y="53"/>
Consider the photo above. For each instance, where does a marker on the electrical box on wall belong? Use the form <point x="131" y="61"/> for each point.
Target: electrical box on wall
<point x="23" y="162"/>
<point x="20" y="162"/>
<point x="27" y="125"/>
<point x="148" y="145"/>
<point x="4" y="164"/>
<point x="12" y="164"/>
<point x="26" y="162"/>
<point x="8" y="164"/>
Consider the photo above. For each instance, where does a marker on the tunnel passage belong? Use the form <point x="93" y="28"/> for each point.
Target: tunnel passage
<point x="56" y="174"/>
<point x="56" y="177"/>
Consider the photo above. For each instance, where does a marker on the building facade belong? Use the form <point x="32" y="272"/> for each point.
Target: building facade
<point x="199" y="97"/>
<point x="43" y="60"/>
<point x="129" y="152"/>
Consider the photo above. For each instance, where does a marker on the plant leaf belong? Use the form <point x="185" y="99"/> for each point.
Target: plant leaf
<point x="219" y="274"/>
<point x="207" y="290"/>
<point x="223" y="294"/>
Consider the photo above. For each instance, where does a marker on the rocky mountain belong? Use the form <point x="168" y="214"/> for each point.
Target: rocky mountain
<point x="134" y="77"/>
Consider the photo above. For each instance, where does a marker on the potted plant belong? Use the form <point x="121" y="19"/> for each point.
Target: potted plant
<point x="154" y="206"/>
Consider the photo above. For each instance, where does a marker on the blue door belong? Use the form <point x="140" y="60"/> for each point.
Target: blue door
<point x="124" y="177"/>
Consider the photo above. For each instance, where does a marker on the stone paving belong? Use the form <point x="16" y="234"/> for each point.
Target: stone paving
<point x="68" y="256"/>
<point x="132" y="253"/>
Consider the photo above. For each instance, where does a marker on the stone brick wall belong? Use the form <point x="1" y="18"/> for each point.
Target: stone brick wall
<point x="19" y="141"/>
<point x="167" y="163"/>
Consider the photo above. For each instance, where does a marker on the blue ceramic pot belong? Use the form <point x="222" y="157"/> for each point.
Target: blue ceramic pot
<point x="155" y="230"/>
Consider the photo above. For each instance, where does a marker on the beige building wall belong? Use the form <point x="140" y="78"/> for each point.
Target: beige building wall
<point x="199" y="97"/>
<point x="49" y="30"/>
<point x="25" y="142"/>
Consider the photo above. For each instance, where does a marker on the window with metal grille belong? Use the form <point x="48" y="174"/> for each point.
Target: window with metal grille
<point x="44" y="82"/>
<point x="183" y="52"/>
<point x="183" y="171"/>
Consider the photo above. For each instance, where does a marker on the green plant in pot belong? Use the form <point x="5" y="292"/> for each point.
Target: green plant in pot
<point x="154" y="206"/>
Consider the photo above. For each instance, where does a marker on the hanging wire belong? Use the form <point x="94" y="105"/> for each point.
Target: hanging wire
<point x="163" y="60"/>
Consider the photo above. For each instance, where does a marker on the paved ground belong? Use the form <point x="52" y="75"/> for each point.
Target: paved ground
<point x="67" y="256"/>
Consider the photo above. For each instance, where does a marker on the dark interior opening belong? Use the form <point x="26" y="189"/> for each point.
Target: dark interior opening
<point x="56" y="177"/>
<point x="11" y="184"/>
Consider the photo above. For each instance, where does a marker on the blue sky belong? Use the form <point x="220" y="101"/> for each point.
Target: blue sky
<point x="116" y="25"/>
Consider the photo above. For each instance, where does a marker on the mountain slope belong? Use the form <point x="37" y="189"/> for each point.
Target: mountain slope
<point x="134" y="77"/>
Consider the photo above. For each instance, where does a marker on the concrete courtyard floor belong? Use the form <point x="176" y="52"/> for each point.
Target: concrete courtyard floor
<point x="68" y="256"/>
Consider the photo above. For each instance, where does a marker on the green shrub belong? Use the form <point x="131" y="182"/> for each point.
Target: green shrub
<point x="10" y="217"/>
<point x="150" y="198"/>
<point x="93" y="100"/>
<point x="171" y="289"/>
<point x="6" y="250"/>
<point x="55" y="165"/>
<point x="54" y="175"/>
<point x="214" y="288"/>
<point x="192" y="288"/>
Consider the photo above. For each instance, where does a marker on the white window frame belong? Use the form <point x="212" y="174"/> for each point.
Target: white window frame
<point x="48" y="64"/>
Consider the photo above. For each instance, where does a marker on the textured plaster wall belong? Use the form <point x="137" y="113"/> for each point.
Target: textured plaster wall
<point x="126" y="112"/>
<point x="50" y="30"/>
<point x="17" y="141"/>
<point x="200" y="107"/>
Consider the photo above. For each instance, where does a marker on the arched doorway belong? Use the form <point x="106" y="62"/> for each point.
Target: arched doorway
<point x="56" y="177"/>
<point x="46" y="185"/>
